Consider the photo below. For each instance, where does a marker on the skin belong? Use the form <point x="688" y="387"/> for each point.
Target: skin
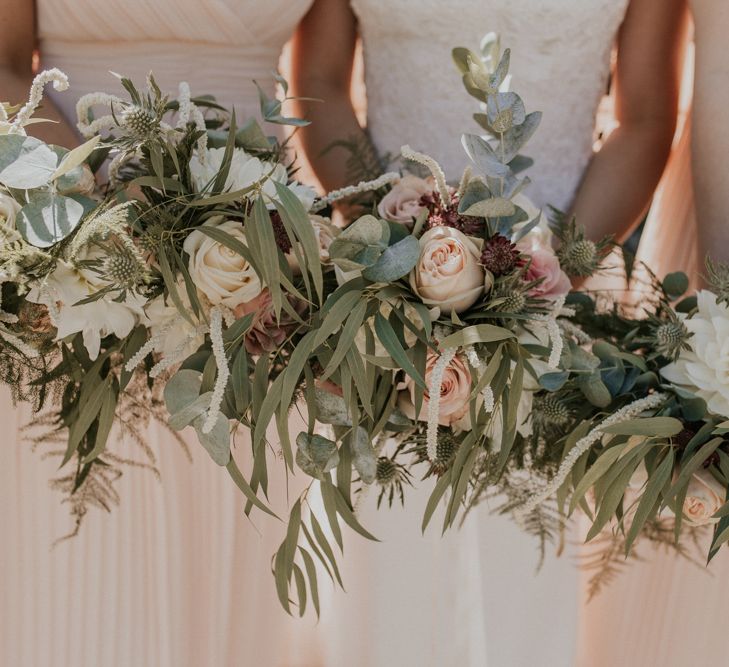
<point x="630" y="162"/>
<point x="710" y="131"/>
<point x="17" y="42"/>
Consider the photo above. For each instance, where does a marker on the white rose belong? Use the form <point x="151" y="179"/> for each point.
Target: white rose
<point x="704" y="369"/>
<point x="448" y="273"/>
<point x="245" y="170"/>
<point x="704" y="497"/>
<point x="220" y="273"/>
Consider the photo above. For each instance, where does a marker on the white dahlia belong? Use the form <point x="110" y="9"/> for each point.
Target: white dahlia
<point x="704" y="369"/>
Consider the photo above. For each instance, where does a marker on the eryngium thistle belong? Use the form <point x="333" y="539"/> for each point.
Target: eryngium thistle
<point x="670" y="339"/>
<point x="718" y="278"/>
<point x="386" y="471"/>
<point x="499" y="256"/>
<point x="552" y="411"/>
<point x="123" y="269"/>
<point x="579" y="257"/>
<point x="514" y="302"/>
<point x="445" y="452"/>
<point x="139" y="122"/>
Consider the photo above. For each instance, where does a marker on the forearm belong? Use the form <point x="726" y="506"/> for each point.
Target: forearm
<point x="620" y="181"/>
<point x="711" y="131"/>
<point x="15" y="85"/>
<point x="333" y="135"/>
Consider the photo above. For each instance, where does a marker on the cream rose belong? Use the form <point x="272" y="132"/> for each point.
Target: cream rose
<point x="455" y="390"/>
<point x="402" y="203"/>
<point x="220" y="273"/>
<point x="448" y="273"/>
<point x="704" y="497"/>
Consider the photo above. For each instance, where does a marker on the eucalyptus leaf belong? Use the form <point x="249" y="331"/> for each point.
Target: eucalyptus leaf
<point x="182" y="389"/>
<point x="331" y="409"/>
<point x="395" y="262"/>
<point x="48" y="218"/>
<point x="217" y="442"/>
<point x="363" y="453"/>
<point x="25" y="162"/>
<point x="653" y="427"/>
<point x="316" y="454"/>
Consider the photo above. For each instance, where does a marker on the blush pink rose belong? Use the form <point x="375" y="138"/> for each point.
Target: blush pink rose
<point x="455" y="390"/>
<point x="267" y="333"/>
<point x="402" y="203"/>
<point x="544" y="266"/>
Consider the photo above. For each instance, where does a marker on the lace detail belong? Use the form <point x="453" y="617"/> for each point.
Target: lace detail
<point x="560" y="65"/>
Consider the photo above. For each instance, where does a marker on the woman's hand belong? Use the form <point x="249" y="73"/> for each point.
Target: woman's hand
<point x="17" y="43"/>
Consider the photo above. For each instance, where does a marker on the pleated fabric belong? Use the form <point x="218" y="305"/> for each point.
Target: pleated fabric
<point x="176" y="576"/>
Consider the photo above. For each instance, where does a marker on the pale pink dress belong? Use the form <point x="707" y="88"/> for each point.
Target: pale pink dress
<point x="176" y="576"/>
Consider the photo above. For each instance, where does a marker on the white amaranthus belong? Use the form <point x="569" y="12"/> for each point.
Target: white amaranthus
<point x="190" y="112"/>
<point x="435" y="169"/>
<point x="89" y="128"/>
<point x="351" y="190"/>
<point x="60" y="83"/>
<point x="487" y="393"/>
<point x="436" y="379"/>
<point x="216" y="338"/>
<point x="583" y="445"/>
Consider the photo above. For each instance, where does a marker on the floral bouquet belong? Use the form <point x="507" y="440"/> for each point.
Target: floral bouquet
<point x="646" y="455"/>
<point x="105" y="289"/>
<point x="203" y="279"/>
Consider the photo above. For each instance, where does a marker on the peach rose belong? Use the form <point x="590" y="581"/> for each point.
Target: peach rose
<point x="704" y="497"/>
<point x="544" y="266"/>
<point x="448" y="273"/>
<point x="455" y="389"/>
<point x="402" y="203"/>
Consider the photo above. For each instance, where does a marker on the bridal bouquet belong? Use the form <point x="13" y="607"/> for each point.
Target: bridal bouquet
<point x="202" y="278"/>
<point x="185" y="255"/>
<point x="647" y="458"/>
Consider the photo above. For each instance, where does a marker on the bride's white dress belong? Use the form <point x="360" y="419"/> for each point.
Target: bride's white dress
<point x="176" y="576"/>
<point x="472" y="598"/>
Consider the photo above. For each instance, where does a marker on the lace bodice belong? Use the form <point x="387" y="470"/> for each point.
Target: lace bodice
<point x="560" y="65"/>
<point x="218" y="46"/>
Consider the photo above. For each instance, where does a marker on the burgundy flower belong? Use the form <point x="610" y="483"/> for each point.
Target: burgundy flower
<point x="500" y="256"/>
<point x="448" y="216"/>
